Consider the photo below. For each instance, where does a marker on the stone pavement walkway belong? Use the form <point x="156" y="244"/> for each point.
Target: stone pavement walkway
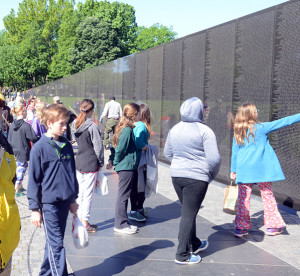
<point x="152" y="250"/>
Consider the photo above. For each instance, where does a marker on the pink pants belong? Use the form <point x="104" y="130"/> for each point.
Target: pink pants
<point x="272" y="217"/>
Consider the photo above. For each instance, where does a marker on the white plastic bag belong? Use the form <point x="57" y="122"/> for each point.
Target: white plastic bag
<point x="79" y="233"/>
<point x="101" y="184"/>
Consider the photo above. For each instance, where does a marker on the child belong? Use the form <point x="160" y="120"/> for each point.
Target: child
<point x="89" y="159"/>
<point x="125" y="160"/>
<point x="38" y="128"/>
<point x="253" y="161"/>
<point x="52" y="187"/>
<point x="141" y="130"/>
<point x="19" y="137"/>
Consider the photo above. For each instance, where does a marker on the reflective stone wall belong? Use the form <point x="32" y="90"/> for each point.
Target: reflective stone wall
<point x="254" y="58"/>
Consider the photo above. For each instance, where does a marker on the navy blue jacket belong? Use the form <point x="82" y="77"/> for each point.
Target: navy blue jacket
<point x="52" y="173"/>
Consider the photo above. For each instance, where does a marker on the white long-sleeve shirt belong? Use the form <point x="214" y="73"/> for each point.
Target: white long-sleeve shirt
<point x="112" y="109"/>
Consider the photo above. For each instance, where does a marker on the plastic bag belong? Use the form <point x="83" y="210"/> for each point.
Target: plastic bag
<point x="79" y="233"/>
<point x="101" y="184"/>
<point x="231" y="199"/>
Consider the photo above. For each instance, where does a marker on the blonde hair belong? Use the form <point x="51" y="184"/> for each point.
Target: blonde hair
<point x="244" y="120"/>
<point x="17" y="109"/>
<point x="127" y="120"/>
<point x="86" y="106"/>
<point x="146" y="117"/>
<point x="54" y="113"/>
<point x="38" y="110"/>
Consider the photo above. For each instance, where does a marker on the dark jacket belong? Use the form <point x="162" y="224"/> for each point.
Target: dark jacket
<point x="90" y="154"/>
<point x="19" y="137"/>
<point x="8" y="117"/>
<point x="124" y="156"/>
<point x="52" y="174"/>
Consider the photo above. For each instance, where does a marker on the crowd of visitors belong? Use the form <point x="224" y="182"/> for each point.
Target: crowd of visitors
<point x="37" y="135"/>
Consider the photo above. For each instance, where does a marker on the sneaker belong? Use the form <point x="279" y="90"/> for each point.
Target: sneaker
<point x="127" y="230"/>
<point x="91" y="228"/>
<point x="136" y="216"/>
<point x="22" y="189"/>
<point x="143" y="212"/>
<point x="202" y="247"/>
<point x="133" y="226"/>
<point x="193" y="259"/>
<point x="17" y="194"/>
<point x="274" y="231"/>
<point x="239" y="233"/>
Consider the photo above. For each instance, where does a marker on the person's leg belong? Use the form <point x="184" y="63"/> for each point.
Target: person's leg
<point x="134" y="194"/>
<point x="124" y="189"/>
<point x="242" y="219"/>
<point x="21" y="170"/>
<point x="79" y="200"/>
<point x="88" y="191"/>
<point x="108" y="129"/>
<point x="191" y="193"/>
<point x="272" y="217"/>
<point x="55" y="220"/>
<point x="114" y="124"/>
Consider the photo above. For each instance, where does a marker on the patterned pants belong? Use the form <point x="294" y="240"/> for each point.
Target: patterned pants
<point x="21" y="170"/>
<point x="272" y="217"/>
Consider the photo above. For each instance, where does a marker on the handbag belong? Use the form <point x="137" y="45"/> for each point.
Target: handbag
<point x="101" y="184"/>
<point x="231" y="199"/>
<point x="79" y="233"/>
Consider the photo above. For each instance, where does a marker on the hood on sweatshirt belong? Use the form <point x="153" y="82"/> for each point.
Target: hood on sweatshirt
<point x="17" y="124"/>
<point x="83" y="127"/>
<point x="192" y="110"/>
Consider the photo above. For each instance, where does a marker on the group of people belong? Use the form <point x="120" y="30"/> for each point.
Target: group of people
<point x="58" y="183"/>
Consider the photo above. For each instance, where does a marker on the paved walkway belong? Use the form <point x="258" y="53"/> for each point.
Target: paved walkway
<point x="151" y="251"/>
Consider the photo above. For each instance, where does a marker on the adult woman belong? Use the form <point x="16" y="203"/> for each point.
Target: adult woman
<point x="253" y="160"/>
<point x="89" y="159"/>
<point x="192" y="149"/>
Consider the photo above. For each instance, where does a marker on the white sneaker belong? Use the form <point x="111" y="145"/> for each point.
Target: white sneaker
<point x="130" y="230"/>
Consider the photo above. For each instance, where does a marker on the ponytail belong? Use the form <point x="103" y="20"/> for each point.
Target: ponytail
<point x="86" y="106"/>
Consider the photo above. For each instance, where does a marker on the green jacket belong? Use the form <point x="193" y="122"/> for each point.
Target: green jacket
<point x="124" y="156"/>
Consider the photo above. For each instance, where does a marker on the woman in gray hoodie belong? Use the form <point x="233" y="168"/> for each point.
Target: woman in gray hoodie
<point x="192" y="149"/>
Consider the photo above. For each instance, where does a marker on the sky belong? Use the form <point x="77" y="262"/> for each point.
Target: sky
<point x="186" y="17"/>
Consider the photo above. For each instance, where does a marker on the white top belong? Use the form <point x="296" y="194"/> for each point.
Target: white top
<point x="112" y="109"/>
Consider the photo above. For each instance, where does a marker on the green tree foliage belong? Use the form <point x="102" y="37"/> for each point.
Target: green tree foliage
<point x="96" y="43"/>
<point x="50" y="39"/>
<point x="153" y="36"/>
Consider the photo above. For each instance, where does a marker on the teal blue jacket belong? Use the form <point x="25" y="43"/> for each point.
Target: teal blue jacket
<point x="256" y="161"/>
<point x="140" y="136"/>
<point x="125" y="156"/>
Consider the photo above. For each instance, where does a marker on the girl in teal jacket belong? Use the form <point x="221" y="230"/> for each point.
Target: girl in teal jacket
<point x="253" y="161"/>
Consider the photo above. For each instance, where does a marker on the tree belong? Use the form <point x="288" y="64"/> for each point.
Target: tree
<point x="121" y="17"/>
<point x="153" y="36"/>
<point x="96" y="43"/>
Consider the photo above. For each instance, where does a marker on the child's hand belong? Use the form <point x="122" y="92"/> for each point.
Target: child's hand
<point x="36" y="218"/>
<point x="74" y="208"/>
<point x="233" y="176"/>
<point x="109" y="165"/>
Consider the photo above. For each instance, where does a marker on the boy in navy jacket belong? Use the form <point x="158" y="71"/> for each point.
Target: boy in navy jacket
<point x="52" y="187"/>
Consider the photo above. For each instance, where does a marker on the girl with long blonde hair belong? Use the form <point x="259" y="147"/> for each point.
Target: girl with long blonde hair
<point x="254" y="161"/>
<point x="125" y="159"/>
<point x="37" y="126"/>
<point x="19" y="137"/>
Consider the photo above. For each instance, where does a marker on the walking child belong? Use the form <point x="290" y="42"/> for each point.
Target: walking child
<point x="126" y="160"/>
<point x="254" y="161"/>
<point x="19" y="137"/>
<point x="53" y="187"/>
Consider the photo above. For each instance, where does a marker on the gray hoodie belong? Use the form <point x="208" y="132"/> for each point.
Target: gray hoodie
<point x="90" y="155"/>
<point x="191" y="146"/>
